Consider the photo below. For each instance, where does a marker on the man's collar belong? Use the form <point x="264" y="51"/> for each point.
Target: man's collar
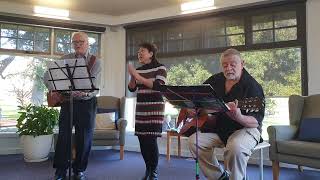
<point x="244" y="75"/>
<point x="85" y="55"/>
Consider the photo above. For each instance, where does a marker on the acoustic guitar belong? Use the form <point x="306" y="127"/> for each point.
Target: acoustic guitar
<point x="187" y="123"/>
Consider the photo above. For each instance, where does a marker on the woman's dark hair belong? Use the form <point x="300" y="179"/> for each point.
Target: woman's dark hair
<point x="151" y="48"/>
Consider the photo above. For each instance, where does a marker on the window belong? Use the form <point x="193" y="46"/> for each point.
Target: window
<point x="21" y="84"/>
<point x="278" y="81"/>
<point x="63" y="41"/>
<point x="25" y="38"/>
<point x="21" y="74"/>
<point x="31" y="39"/>
<point x="271" y="39"/>
<point x="224" y="32"/>
<point x="183" y="39"/>
<point x="193" y="36"/>
<point x="274" y="27"/>
<point x="279" y="73"/>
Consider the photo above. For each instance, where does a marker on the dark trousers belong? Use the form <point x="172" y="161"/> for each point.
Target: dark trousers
<point x="84" y="112"/>
<point x="149" y="150"/>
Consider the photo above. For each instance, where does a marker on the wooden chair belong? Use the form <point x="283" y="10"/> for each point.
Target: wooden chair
<point x="170" y="134"/>
<point x="184" y="115"/>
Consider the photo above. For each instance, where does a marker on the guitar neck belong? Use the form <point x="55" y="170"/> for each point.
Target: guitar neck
<point x="253" y="104"/>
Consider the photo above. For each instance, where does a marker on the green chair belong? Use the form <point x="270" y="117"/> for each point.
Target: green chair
<point x="285" y="147"/>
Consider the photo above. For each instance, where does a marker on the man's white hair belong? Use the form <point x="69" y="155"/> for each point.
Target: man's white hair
<point x="230" y="52"/>
<point x="82" y="34"/>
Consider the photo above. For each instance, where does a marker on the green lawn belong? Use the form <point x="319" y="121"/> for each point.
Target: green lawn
<point x="8" y="112"/>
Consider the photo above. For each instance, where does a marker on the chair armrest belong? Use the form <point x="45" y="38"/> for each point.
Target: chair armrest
<point x="279" y="133"/>
<point x="122" y="124"/>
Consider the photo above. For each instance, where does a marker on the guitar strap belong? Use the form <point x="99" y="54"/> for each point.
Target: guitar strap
<point x="90" y="65"/>
<point x="91" y="62"/>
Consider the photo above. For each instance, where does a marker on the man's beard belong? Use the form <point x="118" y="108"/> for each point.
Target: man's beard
<point x="230" y="76"/>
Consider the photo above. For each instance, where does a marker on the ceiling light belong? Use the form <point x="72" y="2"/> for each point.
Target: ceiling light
<point x="196" y="6"/>
<point x="51" y="12"/>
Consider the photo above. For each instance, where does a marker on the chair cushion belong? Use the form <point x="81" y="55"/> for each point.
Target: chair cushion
<point x="299" y="148"/>
<point x="104" y="121"/>
<point x="106" y="134"/>
<point x="309" y="130"/>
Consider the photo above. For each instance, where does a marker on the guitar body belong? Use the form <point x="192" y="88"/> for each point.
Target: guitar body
<point x="187" y="122"/>
<point x="189" y="125"/>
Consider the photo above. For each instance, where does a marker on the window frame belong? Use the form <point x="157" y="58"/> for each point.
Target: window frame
<point x="52" y="39"/>
<point x="299" y="6"/>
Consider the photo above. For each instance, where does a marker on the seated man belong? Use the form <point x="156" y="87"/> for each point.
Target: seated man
<point x="237" y="130"/>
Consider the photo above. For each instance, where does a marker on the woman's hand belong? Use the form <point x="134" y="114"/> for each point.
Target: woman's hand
<point x="132" y="71"/>
<point x="132" y="83"/>
<point x="134" y="74"/>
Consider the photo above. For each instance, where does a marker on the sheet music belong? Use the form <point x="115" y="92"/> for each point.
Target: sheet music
<point x="58" y="75"/>
<point x="195" y="96"/>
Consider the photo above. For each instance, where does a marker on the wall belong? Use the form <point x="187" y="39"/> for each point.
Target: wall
<point x="113" y="57"/>
<point x="313" y="43"/>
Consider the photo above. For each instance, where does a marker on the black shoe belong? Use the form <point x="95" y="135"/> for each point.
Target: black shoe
<point x="60" y="177"/>
<point x="153" y="175"/>
<point x="146" y="174"/>
<point x="79" y="176"/>
<point x="224" y="176"/>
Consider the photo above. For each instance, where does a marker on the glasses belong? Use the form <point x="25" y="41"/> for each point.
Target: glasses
<point x="78" y="42"/>
<point x="141" y="51"/>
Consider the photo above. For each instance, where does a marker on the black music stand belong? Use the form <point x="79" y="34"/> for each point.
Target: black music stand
<point x="66" y="76"/>
<point x="194" y="97"/>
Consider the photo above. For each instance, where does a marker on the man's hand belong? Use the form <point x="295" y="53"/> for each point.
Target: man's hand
<point x="234" y="112"/>
<point x="78" y="94"/>
<point x="191" y="113"/>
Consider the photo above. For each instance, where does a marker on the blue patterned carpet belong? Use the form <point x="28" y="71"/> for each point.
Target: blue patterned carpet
<point x="105" y="165"/>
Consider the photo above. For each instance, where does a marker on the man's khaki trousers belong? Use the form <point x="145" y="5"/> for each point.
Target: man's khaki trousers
<point x="236" y="155"/>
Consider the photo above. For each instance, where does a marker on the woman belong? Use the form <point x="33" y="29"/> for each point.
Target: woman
<point x="150" y="105"/>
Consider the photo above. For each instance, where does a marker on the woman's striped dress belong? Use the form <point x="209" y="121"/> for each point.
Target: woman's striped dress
<point x="150" y="104"/>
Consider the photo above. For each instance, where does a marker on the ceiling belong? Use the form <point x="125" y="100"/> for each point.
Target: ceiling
<point x="106" y="7"/>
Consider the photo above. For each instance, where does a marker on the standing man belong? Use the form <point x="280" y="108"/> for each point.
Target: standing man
<point x="236" y="130"/>
<point x="85" y="106"/>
